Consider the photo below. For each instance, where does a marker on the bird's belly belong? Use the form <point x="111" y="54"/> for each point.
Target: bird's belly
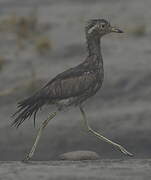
<point x="65" y="103"/>
<point x="77" y="100"/>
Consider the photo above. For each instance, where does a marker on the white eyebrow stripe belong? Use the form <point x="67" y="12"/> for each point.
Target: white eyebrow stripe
<point x="92" y="29"/>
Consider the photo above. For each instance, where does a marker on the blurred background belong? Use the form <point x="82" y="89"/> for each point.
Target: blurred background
<point x="39" y="39"/>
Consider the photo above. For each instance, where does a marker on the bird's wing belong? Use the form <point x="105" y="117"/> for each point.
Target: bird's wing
<point x="70" y="83"/>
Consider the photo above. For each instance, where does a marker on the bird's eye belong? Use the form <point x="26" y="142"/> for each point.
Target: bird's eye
<point x="102" y="26"/>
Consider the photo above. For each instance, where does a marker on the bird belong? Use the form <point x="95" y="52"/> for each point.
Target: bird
<point x="72" y="87"/>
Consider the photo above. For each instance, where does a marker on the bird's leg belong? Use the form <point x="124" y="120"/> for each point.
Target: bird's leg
<point x="41" y="128"/>
<point x="121" y="148"/>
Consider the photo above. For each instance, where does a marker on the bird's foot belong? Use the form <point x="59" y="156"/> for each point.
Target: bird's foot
<point x="26" y="159"/>
<point x="124" y="151"/>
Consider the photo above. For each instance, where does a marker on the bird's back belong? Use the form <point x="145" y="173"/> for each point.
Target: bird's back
<point x="71" y="87"/>
<point x="79" y="82"/>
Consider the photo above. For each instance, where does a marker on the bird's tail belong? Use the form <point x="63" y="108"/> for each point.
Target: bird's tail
<point x="29" y="107"/>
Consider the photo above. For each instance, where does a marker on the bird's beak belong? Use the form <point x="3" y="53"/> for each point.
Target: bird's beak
<point x="116" y="30"/>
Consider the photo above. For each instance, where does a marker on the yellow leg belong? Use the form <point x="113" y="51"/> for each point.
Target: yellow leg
<point x="43" y="125"/>
<point x="121" y="148"/>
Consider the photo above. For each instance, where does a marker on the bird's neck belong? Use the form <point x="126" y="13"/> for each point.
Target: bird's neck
<point x="94" y="48"/>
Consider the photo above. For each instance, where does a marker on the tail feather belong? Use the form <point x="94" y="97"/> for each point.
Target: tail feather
<point x="27" y="108"/>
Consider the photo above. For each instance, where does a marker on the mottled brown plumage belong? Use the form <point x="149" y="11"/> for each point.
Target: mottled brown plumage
<point x="75" y="85"/>
<point x="72" y="87"/>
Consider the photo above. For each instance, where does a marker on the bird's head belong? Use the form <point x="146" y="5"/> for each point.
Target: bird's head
<point x="100" y="27"/>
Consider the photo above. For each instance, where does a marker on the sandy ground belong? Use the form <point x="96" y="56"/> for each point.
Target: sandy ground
<point x="121" y="110"/>
<point x="138" y="169"/>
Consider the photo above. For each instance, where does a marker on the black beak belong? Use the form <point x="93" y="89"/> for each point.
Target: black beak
<point x="116" y="30"/>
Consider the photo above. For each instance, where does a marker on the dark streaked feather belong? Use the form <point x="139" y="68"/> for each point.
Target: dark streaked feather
<point x="71" y="83"/>
<point x="28" y="107"/>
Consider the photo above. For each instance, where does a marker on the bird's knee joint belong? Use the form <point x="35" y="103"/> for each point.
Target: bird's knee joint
<point x="88" y="129"/>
